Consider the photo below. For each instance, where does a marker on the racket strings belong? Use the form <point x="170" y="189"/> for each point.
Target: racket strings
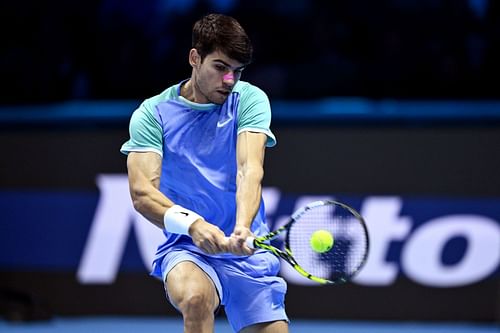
<point x="349" y="250"/>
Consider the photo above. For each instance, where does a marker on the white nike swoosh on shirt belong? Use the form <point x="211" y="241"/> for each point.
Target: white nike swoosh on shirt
<point x="222" y="124"/>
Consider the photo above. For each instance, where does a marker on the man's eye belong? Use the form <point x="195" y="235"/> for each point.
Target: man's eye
<point x="220" y="68"/>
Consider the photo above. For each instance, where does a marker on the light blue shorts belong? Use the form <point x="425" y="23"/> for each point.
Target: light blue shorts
<point x="248" y="287"/>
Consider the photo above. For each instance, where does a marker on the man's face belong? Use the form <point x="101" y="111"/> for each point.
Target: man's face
<point x="215" y="77"/>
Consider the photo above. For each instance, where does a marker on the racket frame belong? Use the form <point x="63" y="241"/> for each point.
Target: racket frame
<point x="287" y="255"/>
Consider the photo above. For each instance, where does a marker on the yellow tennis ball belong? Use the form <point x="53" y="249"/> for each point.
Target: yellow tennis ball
<point x="321" y="241"/>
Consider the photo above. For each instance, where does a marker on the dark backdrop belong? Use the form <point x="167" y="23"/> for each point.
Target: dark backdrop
<point x="456" y="160"/>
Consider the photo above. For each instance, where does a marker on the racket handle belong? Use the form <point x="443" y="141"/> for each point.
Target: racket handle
<point x="250" y="242"/>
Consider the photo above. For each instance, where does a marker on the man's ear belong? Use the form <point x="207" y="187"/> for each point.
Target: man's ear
<point x="194" y="58"/>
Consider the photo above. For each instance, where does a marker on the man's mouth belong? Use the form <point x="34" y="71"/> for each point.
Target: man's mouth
<point x="224" y="92"/>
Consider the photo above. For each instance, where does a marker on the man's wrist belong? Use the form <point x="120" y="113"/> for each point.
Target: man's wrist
<point x="242" y="225"/>
<point x="178" y="219"/>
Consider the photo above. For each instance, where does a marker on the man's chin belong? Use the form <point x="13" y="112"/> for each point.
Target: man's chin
<point x="219" y="98"/>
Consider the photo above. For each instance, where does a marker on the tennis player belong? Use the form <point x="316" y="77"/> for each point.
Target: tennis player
<point x="195" y="166"/>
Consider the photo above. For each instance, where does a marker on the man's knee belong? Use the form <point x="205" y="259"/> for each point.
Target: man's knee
<point x="191" y="291"/>
<point x="195" y="305"/>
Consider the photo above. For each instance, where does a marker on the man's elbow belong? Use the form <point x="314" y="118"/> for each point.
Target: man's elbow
<point x="139" y="198"/>
<point x="259" y="174"/>
<point x="256" y="173"/>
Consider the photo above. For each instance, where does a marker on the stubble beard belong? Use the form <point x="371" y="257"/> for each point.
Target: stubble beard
<point x="198" y="86"/>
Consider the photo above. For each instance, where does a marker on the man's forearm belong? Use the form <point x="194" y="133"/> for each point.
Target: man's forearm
<point x="248" y="195"/>
<point x="151" y="203"/>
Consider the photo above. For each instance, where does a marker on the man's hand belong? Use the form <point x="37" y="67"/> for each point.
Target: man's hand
<point x="237" y="241"/>
<point x="208" y="237"/>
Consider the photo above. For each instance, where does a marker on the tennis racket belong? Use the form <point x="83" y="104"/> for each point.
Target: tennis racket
<point x="337" y="265"/>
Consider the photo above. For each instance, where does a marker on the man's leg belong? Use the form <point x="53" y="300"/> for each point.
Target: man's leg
<point x="193" y="293"/>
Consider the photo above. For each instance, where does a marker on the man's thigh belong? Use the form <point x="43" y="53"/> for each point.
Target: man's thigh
<point x="187" y="279"/>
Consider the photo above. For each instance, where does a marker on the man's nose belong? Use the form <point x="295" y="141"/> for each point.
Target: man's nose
<point x="228" y="78"/>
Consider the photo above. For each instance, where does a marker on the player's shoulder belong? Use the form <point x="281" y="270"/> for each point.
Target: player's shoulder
<point x="244" y="87"/>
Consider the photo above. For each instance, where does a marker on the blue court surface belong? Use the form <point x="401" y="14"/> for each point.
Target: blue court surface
<point x="155" y="324"/>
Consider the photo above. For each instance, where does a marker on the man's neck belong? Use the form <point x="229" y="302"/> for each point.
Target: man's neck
<point x="187" y="90"/>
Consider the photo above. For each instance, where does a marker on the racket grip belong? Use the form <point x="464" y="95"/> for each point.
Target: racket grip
<point x="250" y="242"/>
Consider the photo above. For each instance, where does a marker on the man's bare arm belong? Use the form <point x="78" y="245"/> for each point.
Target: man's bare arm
<point x="144" y="170"/>
<point x="250" y="159"/>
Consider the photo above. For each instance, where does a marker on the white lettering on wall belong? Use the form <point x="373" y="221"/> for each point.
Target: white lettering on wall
<point x="421" y="257"/>
<point x="384" y="225"/>
<point x="115" y="220"/>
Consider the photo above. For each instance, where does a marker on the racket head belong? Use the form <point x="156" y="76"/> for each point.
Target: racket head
<point x="351" y="242"/>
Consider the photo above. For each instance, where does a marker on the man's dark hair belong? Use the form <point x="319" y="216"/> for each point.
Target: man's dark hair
<point x="217" y="32"/>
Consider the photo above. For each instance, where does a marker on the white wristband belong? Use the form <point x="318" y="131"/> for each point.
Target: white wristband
<point x="178" y="219"/>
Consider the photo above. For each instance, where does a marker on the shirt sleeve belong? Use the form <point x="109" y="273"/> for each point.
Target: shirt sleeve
<point x="146" y="134"/>
<point x="254" y="113"/>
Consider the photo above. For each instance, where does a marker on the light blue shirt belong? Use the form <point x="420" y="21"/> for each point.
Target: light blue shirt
<point x="197" y="143"/>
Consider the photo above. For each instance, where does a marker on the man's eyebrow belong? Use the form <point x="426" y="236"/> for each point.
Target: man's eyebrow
<point x="228" y="65"/>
